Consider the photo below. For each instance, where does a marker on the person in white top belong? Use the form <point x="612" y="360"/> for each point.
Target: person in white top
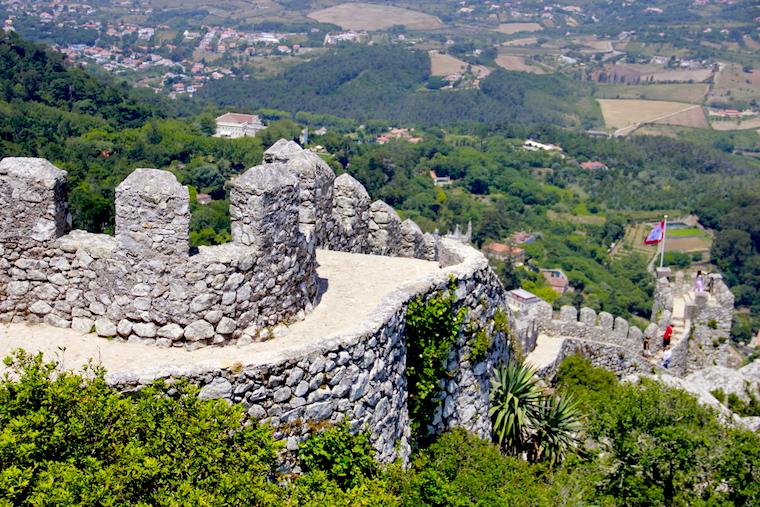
<point x="699" y="282"/>
<point x="667" y="355"/>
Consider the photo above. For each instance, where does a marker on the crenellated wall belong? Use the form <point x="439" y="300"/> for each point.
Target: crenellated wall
<point x="144" y="286"/>
<point x="339" y="214"/>
<point x="587" y="326"/>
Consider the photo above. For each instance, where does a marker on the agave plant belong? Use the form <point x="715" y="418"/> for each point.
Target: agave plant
<point x="555" y="430"/>
<point x="515" y="404"/>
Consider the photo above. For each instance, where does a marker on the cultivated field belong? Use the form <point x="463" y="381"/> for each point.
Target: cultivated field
<point x="593" y="43"/>
<point x="622" y="113"/>
<point x="361" y="16"/>
<point x="691" y="117"/>
<point x="695" y="76"/>
<point x="732" y="83"/>
<point x="523" y="41"/>
<point x="517" y="63"/>
<point x="691" y="93"/>
<point x="510" y="28"/>
<point x="695" y="240"/>
<point x="443" y="65"/>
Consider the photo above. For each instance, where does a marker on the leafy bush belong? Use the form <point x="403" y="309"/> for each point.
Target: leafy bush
<point x="432" y="327"/>
<point x="343" y="457"/>
<point x="658" y="445"/>
<point x="68" y="439"/>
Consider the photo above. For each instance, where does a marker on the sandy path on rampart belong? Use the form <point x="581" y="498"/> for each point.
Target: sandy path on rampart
<point x="354" y="288"/>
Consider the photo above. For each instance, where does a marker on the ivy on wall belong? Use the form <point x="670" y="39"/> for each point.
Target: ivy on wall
<point x="432" y="327"/>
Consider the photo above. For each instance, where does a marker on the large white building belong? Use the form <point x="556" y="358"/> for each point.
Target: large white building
<point x="234" y="125"/>
<point x="520" y="300"/>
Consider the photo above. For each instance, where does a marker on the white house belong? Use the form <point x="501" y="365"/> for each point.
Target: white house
<point x="520" y="300"/>
<point x="235" y="125"/>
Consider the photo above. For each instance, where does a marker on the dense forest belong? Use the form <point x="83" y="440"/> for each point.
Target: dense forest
<point x="387" y="82"/>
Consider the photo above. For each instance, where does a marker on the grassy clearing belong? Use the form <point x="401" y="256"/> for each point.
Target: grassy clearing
<point x="576" y="219"/>
<point x="732" y="84"/>
<point x="510" y="28"/>
<point x="443" y="65"/>
<point x="517" y="63"/>
<point x="684" y="232"/>
<point x="361" y="16"/>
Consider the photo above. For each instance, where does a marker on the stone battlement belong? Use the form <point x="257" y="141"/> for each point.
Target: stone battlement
<point x="143" y="284"/>
<point x="586" y="325"/>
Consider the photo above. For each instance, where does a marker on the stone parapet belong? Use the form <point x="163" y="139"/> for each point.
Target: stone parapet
<point x="587" y="326"/>
<point x="143" y="285"/>
<point x="360" y="375"/>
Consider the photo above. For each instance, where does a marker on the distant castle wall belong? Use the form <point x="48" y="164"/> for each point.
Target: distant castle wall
<point x="587" y="325"/>
<point x="709" y="316"/>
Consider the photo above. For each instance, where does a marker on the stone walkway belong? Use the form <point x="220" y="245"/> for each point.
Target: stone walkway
<point x="355" y="287"/>
<point x="546" y="352"/>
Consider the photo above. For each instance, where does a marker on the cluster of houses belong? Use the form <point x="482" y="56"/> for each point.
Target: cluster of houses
<point x="139" y="47"/>
<point x="731" y="114"/>
<point x="350" y="36"/>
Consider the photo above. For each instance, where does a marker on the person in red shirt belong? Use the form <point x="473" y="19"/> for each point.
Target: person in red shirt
<point x="666" y="336"/>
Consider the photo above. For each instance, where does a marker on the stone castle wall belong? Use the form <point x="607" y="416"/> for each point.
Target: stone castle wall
<point x="587" y="325"/>
<point x="340" y="215"/>
<point x="143" y="284"/>
<point x="709" y="316"/>
<point x="361" y="376"/>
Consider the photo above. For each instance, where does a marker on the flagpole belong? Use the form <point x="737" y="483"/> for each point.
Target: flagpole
<point x="664" y="229"/>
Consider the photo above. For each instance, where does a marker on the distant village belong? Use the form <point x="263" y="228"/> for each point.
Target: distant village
<point x="177" y="62"/>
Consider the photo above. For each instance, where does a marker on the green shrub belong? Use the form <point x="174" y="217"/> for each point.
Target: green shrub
<point x="343" y="457"/>
<point x="719" y="395"/>
<point x="459" y="469"/>
<point x="432" y="328"/>
<point x="712" y="324"/>
<point x="479" y="346"/>
<point x="69" y="438"/>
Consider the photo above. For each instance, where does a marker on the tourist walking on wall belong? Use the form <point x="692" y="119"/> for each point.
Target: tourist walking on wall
<point x="667" y="355"/>
<point x="699" y="282"/>
<point x="666" y="336"/>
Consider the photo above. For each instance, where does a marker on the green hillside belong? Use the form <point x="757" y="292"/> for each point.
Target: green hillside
<point x="387" y="82"/>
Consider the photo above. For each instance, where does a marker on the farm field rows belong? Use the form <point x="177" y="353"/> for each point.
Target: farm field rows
<point x="361" y="16"/>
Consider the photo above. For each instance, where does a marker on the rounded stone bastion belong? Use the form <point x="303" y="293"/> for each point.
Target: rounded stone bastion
<point x="142" y="284"/>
